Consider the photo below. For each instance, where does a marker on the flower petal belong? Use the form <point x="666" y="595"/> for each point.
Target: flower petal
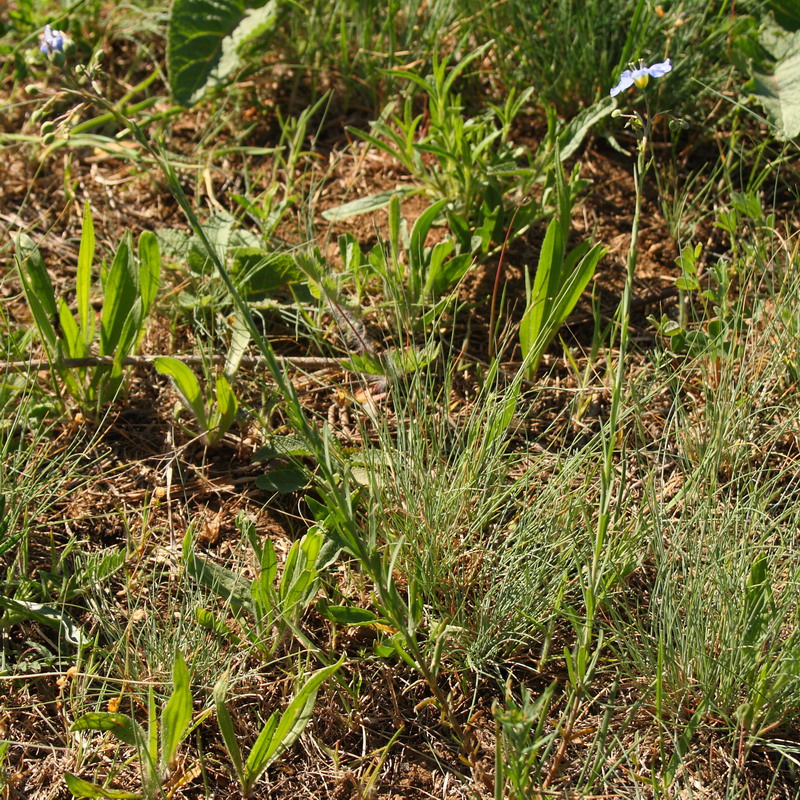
<point x="625" y="82"/>
<point x="657" y="70"/>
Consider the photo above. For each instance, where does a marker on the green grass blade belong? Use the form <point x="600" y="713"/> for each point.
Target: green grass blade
<point x="84" y="277"/>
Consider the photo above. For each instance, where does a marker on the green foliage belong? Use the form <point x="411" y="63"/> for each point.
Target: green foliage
<point x="215" y="423"/>
<point x="278" y="733"/>
<point x="275" y="607"/>
<point x="207" y="39"/>
<point x="129" y="286"/>
<point x="157" y="748"/>
<point x="561" y="276"/>
<point x="414" y="277"/>
<point x="470" y="163"/>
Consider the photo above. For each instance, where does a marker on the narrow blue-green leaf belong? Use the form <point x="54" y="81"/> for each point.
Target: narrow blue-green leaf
<point x="187" y="385"/>
<point x="84" y="277"/>
<point x="177" y="713"/>
<point x="81" y="788"/>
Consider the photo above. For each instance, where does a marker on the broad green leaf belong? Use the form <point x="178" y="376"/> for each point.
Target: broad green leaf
<point x="81" y="788"/>
<point x="300" y="572"/>
<point x="187" y="385"/>
<point x="282" y="447"/>
<point x="346" y="615"/>
<point x="575" y="131"/>
<point x="38" y="289"/>
<point x="292" y="723"/>
<point x="779" y="92"/>
<point x="365" y="205"/>
<point x="120" y="292"/>
<point x="71" y="335"/>
<point x="84" y="277"/>
<point x="19" y="610"/>
<point x="283" y="480"/>
<point x="258" y="760"/>
<point x="227" y="406"/>
<point x="149" y="270"/>
<point x="546" y="278"/>
<point x="177" y="713"/>
<point x="419" y="233"/>
<point x="121" y="725"/>
<point x="195" y="37"/>
<point x="240" y="339"/>
<point x="258" y="274"/>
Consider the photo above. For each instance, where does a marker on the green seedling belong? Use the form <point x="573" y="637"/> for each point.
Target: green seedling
<point x="267" y="608"/>
<point x="156" y="748"/>
<point x="561" y="277"/>
<point x="129" y="286"/>
<point x="278" y="733"/>
<point x="214" y="423"/>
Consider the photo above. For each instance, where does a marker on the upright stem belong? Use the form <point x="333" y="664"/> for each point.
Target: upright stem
<point x="610" y="432"/>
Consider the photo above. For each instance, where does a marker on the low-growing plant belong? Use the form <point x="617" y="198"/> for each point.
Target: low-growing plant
<point x="413" y="277"/>
<point x="213" y="423"/>
<point x="560" y="278"/>
<point x="156" y="747"/>
<point x="278" y="733"/>
<point x="267" y="609"/>
<point x="129" y="285"/>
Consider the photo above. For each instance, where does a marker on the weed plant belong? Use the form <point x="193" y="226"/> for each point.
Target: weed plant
<point x="436" y="564"/>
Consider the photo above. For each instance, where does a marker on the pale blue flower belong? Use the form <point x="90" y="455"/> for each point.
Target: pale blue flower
<point x="640" y="76"/>
<point x="51" y="41"/>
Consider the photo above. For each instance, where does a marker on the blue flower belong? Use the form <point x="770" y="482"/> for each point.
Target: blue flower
<point x="51" y="41"/>
<point x="640" y="76"/>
